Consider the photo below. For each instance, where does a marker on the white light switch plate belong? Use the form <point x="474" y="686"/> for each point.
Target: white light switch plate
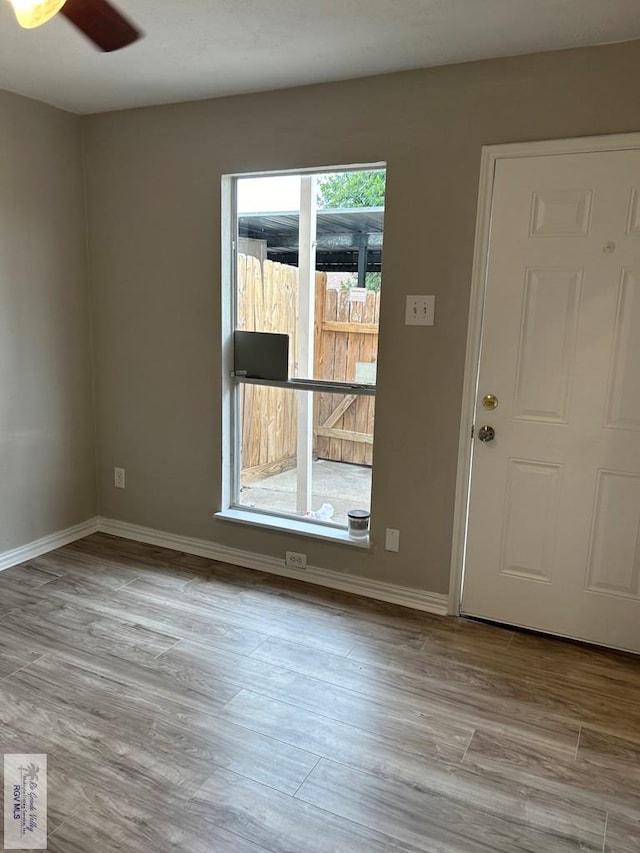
<point x="421" y="311"/>
<point x="392" y="540"/>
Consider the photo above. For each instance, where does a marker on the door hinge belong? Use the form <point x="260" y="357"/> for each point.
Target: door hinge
<point x="473" y="430"/>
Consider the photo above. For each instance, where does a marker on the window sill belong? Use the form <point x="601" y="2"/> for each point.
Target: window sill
<point x="292" y="525"/>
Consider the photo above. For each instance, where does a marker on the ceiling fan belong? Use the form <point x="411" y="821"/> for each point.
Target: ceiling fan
<point x="98" y="20"/>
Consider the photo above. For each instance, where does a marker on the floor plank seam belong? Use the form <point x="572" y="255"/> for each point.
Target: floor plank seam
<point x="415" y="786"/>
<point x="128" y="583"/>
<point x="575" y="757"/>
<point x="419" y="787"/>
<point x="398" y="843"/>
<point x="229" y="701"/>
<point x="257" y="649"/>
<point x="606" y="827"/>
<point x="316" y="713"/>
<point x="468" y="745"/>
<point x="26" y="666"/>
<point x="274" y="740"/>
<point x="382" y="669"/>
<point x="295" y="794"/>
<point x="320" y="757"/>
<point x="39" y="586"/>
<point x="166" y="651"/>
<point x="304" y="674"/>
<point x="220" y="767"/>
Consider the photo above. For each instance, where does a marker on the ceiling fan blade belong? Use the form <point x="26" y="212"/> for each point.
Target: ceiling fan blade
<point x="101" y="22"/>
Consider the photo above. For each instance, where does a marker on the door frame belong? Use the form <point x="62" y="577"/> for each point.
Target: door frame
<point x="490" y="156"/>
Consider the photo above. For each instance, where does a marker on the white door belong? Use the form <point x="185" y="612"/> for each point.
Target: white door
<point x="554" y="516"/>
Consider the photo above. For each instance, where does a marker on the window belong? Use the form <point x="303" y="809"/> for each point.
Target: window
<point x="305" y="260"/>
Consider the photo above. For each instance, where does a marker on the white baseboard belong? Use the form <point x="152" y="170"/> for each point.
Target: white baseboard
<point x="428" y="602"/>
<point x="47" y="543"/>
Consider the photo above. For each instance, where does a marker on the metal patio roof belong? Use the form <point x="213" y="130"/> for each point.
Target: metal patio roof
<point x="340" y="234"/>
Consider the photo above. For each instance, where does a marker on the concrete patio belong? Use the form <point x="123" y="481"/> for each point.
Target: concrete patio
<point x="340" y="484"/>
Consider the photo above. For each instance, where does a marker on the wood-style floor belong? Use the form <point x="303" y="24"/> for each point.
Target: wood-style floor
<point x="191" y="706"/>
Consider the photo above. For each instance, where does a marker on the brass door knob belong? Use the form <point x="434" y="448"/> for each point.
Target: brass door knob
<point x="486" y="433"/>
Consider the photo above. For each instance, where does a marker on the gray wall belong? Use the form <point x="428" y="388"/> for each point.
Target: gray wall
<point x="47" y="454"/>
<point x="154" y="225"/>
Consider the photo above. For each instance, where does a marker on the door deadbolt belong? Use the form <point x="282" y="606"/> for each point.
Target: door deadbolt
<point x="490" y="401"/>
<point x="486" y="433"/>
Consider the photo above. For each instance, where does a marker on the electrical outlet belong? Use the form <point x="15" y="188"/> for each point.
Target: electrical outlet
<point x="392" y="540"/>
<point x="420" y="311"/>
<point x="295" y="560"/>
<point x="118" y="478"/>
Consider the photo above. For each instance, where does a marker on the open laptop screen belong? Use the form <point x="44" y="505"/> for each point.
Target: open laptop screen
<point x="261" y="355"/>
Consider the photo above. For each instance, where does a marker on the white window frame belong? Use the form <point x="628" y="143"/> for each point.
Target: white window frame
<point x="231" y="510"/>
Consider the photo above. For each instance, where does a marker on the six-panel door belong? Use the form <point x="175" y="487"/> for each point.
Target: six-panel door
<point x="554" y="518"/>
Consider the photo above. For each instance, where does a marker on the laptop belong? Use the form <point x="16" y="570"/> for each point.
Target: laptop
<point x="261" y="355"/>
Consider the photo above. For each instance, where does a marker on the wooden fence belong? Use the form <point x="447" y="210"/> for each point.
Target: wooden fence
<point x="346" y="335"/>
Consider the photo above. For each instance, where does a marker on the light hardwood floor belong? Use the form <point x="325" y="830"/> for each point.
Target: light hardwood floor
<point x="191" y="706"/>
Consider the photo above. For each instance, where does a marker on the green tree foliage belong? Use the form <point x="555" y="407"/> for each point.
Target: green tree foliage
<point x="373" y="280"/>
<point x="352" y="189"/>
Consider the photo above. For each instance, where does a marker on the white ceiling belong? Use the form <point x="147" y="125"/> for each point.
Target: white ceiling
<point x="205" y="48"/>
